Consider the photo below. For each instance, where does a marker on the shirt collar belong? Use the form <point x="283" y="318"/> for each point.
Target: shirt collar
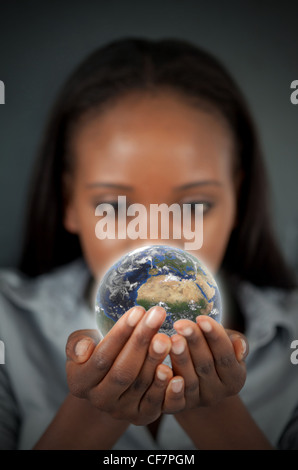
<point x="64" y="287"/>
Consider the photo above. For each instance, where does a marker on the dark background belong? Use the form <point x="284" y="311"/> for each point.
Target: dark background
<point x="41" y="42"/>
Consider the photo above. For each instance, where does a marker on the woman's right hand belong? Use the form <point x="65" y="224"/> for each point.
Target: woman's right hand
<point x="123" y="374"/>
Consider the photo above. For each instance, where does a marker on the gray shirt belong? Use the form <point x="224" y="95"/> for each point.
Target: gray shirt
<point x="37" y="315"/>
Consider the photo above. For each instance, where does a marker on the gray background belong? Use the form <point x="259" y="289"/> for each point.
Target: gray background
<point x="41" y="42"/>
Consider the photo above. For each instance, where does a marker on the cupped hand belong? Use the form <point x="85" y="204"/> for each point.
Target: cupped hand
<point x="123" y="374"/>
<point x="210" y="359"/>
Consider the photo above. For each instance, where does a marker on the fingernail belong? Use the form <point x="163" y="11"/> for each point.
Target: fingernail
<point x="159" y="346"/>
<point x="205" y="326"/>
<point x="178" y="347"/>
<point x="154" y="318"/>
<point x="134" y="316"/>
<point x="243" y="343"/>
<point x="236" y="337"/>
<point x="187" y="331"/>
<point x="82" y="346"/>
<point x="177" y="385"/>
<point x="161" y="375"/>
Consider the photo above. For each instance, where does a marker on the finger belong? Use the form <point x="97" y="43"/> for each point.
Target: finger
<point x="182" y="365"/>
<point x="82" y="377"/>
<point x="174" y="397"/>
<point x="152" y="401"/>
<point x="81" y="344"/>
<point x="129" y="361"/>
<point x="158" y="350"/>
<point x="111" y="345"/>
<point x="201" y="355"/>
<point x="227" y="367"/>
<point x="240" y="344"/>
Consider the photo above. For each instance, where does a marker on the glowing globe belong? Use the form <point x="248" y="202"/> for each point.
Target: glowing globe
<point x="157" y="275"/>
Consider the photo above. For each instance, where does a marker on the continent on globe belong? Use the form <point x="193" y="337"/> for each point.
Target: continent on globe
<point x="157" y="275"/>
<point x="178" y="295"/>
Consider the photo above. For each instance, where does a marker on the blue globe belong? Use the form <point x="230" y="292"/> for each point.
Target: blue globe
<point x="157" y="275"/>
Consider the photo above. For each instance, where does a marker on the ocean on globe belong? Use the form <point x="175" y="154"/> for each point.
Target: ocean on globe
<point x="157" y="275"/>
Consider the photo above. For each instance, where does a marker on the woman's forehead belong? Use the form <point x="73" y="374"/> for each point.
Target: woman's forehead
<point x="153" y="134"/>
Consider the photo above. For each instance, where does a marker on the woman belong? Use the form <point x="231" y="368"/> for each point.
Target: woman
<point x="158" y="122"/>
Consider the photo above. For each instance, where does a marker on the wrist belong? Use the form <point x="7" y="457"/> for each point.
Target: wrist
<point x="102" y="428"/>
<point x="226" y="425"/>
<point x="79" y="425"/>
<point x="187" y="416"/>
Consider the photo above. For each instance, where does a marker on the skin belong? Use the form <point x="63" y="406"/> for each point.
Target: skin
<point x="153" y="149"/>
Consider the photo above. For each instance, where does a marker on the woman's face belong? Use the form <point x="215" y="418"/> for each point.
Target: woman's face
<point x="153" y="149"/>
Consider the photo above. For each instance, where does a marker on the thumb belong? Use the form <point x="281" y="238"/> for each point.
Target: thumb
<point x="240" y="344"/>
<point x="81" y="344"/>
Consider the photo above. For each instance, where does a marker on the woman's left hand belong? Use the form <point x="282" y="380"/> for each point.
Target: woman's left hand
<point x="209" y="361"/>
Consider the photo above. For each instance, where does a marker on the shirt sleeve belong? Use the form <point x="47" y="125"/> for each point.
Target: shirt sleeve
<point x="289" y="437"/>
<point x="9" y="415"/>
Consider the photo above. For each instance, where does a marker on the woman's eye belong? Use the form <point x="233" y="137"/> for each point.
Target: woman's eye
<point x="206" y="206"/>
<point x="114" y="204"/>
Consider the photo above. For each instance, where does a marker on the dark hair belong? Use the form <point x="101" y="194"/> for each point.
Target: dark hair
<point x="133" y="64"/>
